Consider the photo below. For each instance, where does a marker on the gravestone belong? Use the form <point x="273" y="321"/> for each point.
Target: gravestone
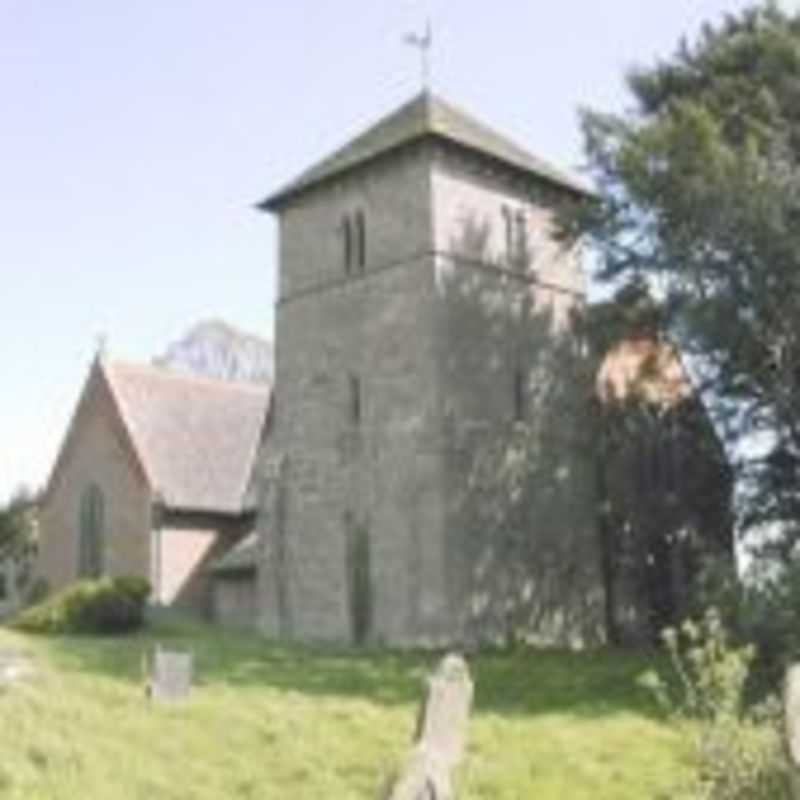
<point x="791" y="707"/>
<point x="440" y="740"/>
<point x="13" y="667"/>
<point x="170" y="675"/>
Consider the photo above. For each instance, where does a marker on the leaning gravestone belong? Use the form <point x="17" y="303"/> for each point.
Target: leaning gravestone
<point x="440" y="740"/>
<point x="791" y="707"/>
<point x="170" y="675"/>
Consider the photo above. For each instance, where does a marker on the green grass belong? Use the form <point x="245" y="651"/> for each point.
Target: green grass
<point x="291" y="723"/>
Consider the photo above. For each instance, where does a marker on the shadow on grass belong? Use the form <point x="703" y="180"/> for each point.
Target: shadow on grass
<point x="523" y="682"/>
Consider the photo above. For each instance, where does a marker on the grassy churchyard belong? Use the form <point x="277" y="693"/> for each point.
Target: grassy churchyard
<point x="273" y="722"/>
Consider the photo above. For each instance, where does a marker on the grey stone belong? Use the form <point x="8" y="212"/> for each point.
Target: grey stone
<point x="440" y="740"/>
<point x="423" y="777"/>
<point x="13" y="667"/>
<point x="445" y="712"/>
<point x="171" y="675"/>
<point x="791" y="700"/>
<point x="792" y="715"/>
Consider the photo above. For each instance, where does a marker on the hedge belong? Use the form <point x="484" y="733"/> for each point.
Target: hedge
<point x="102" y="606"/>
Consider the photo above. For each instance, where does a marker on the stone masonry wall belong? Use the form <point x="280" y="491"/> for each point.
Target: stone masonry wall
<point x="522" y="541"/>
<point x="433" y="331"/>
<point x="235" y="601"/>
<point x="185" y="545"/>
<point x="377" y="475"/>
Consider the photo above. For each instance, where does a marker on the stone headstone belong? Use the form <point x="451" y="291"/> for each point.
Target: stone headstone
<point x="171" y="675"/>
<point x="13" y="667"/>
<point x="444" y="714"/>
<point x="440" y="741"/>
<point x="791" y="707"/>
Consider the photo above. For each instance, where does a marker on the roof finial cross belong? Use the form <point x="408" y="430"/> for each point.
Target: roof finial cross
<point x="101" y="343"/>
<point x="423" y="43"/>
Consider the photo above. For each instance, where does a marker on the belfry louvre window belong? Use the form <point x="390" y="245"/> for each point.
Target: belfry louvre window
<point x="347" y="244"/>
<point x="508" y="229"/>
<point x="361" y="241"/>
<point x="92" y="532"/>
<point x="521" y="254"/>
<point x="515" y="230"/>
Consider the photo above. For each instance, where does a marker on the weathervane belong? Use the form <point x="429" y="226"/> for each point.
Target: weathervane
<point x="423" y="44"/>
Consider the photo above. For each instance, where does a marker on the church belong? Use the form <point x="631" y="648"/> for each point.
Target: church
<point x="425" y="468"/>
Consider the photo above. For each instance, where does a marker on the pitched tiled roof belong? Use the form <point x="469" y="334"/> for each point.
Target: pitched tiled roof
<point x="242" y="557"/>
<point x="644" y="368"/>
<point x="197" y="438"/>
<point x="425" y="116"/>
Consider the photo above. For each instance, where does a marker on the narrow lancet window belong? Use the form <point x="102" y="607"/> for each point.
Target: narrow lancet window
<point x="92" y="533"/>
<point x="354" y="391"/>
<point x="521" y="256"/>
<point x="347" y="236"/>
<point x="361" y="241"/>
<point x="508" y="226"/>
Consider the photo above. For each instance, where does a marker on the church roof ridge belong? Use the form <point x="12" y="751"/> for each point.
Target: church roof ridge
<point x="425" y="115"/>
<point x="111" y="365"/>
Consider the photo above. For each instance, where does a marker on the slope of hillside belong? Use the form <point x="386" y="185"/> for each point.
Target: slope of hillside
<point x="273" y="722"/>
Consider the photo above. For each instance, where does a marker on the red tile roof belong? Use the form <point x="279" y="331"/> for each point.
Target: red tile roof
<point x="645" y="368"/>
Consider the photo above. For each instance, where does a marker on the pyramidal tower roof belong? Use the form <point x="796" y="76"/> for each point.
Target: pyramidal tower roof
<point x="425" y="116"/>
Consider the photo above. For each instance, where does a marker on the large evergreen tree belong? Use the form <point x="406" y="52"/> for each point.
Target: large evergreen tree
<point x="700" y="196"/>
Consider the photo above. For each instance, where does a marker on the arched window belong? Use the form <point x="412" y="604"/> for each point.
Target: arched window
<point x="92" y="533"/>
<point x="361" y="241"/>
<point x="347" y="235"/>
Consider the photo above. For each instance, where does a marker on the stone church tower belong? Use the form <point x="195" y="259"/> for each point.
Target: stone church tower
<point x="428" y="472"/>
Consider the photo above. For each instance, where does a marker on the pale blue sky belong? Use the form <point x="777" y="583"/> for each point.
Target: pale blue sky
<point x="135" y="137"/>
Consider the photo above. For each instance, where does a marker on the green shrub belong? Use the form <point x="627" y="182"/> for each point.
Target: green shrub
<point x="104" y="606"/>
<point x="710" y="673"/>
<point x="762" y="610"/>
<point x="737" y="751"/>
<point x="769" y="616"/>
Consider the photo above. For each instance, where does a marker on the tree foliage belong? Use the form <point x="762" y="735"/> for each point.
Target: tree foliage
<point x="700" y="197"/>
<point x="17" y="523"/>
